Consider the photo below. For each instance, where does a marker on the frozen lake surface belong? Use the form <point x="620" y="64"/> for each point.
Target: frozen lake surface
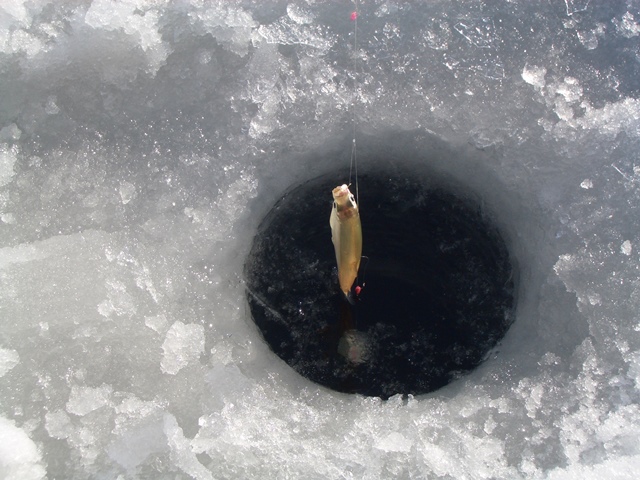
<point x="143" y="142"/>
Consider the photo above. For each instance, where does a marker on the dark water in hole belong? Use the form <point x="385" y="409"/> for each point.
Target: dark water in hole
<point x="438" y="289"/>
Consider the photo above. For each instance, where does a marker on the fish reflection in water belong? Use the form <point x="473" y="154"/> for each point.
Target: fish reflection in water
<point x="346" y="348"/>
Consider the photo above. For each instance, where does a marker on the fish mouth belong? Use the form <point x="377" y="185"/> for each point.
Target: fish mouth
<point x="340" y="191"/>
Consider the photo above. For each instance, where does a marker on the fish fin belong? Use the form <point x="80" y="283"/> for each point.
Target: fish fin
<point x="351" y="298"/>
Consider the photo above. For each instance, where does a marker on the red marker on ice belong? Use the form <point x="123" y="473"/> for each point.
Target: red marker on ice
<point x="354" y="15"/>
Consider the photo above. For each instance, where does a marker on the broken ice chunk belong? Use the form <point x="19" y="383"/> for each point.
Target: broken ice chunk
<point x="119" y="300"/>
<point x="299" y="14"/>
<point x="135" y="20"/>
<point x="157" y="323"/>
<point x="182" y="345"/>
<point x="52" y="108"/>
<point x="19" y="456"/>
<point x="8" y="218"/>
<point x="627" y="26"/>
<point x="438" y="35"/>
<point x="534" y="75"/>
<point x="386" y="9"/>
<point x="8" y="360"/>
<point x="626" y="247"/>
<point x="575" y="6"/>
<point x="570" y="89"/>
<point x="8" y="158"/>
<point x="16" y="11"/>
<point x="181" y="451"/>
<point x="230" y="26"/>
<point x="58" y="424"/>
<point x="10" y="132"/>
<point x="83" y="400"/>
<point x="589" y="38"/>
<point x="127" y="192"/>
<point x="135" y="444"/>
<point x="394" y="442"/>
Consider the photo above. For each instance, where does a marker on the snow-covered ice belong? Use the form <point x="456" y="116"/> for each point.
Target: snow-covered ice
<point x="183" y="345"/>
<point x="8" y="360"/>
<point x="20" y="458"/>
<point x="142" y="142"/>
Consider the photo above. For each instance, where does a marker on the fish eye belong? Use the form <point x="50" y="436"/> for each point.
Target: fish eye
<point x="352" y="198"/>
<point x="335" y="205"/>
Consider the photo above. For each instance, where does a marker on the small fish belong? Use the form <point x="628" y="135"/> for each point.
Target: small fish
<point x="346" y="235"/>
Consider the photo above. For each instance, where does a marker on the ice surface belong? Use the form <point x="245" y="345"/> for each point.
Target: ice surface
<point x="8" y="360"/>
<point x="627" y="25"/>
<point x="182" y="345"/>
<point x="10" y="132"/>
<point x="20" y="458"/>
<point x="141" y="144"/>
<point x="394" y="442"/>
<point x="181" y="450"/>
<point x="229" y="25"/>
<point x="576" y="6"/>
<point x="83" y="400"/>
<point x="137" y="18"/>
<point x="8" y="158"/>
<point x="534" y="75"/>
<point x="479" y="31"/>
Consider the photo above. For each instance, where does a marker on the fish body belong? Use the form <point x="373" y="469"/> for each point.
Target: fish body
<point x="346" y="235"/>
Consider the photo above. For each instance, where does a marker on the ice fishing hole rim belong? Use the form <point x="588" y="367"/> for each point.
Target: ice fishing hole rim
<point x="277" y="210"/>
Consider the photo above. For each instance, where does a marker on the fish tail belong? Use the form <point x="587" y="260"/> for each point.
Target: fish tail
<point x="351" y="298"/>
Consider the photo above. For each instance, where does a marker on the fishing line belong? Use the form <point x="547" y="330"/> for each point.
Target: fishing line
<point x="354" y="153"/>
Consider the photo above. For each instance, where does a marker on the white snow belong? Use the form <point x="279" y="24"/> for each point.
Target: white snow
<point x="181" y="450"/>
<point x="20" y="458"/>
<point x="183" y="344"/>
<point x="394" y="442"/>
<point x="586" y="184"/>
<point x="157" y="323"/>
<point x="8" y="360"/>
<point x="141" y="144"/>
<point x="10" y="132"/>
<point x="127" y="192"/>
<point x="58" y="424"/>
<point x="8" y="158"/>
<point x="534" y="75"/>
<point x="229" y="25"/>
<point x="627" y="25"/>
<point x="83" y="400"/>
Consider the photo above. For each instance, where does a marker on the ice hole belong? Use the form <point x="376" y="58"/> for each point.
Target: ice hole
<point x="438" y="285"/>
